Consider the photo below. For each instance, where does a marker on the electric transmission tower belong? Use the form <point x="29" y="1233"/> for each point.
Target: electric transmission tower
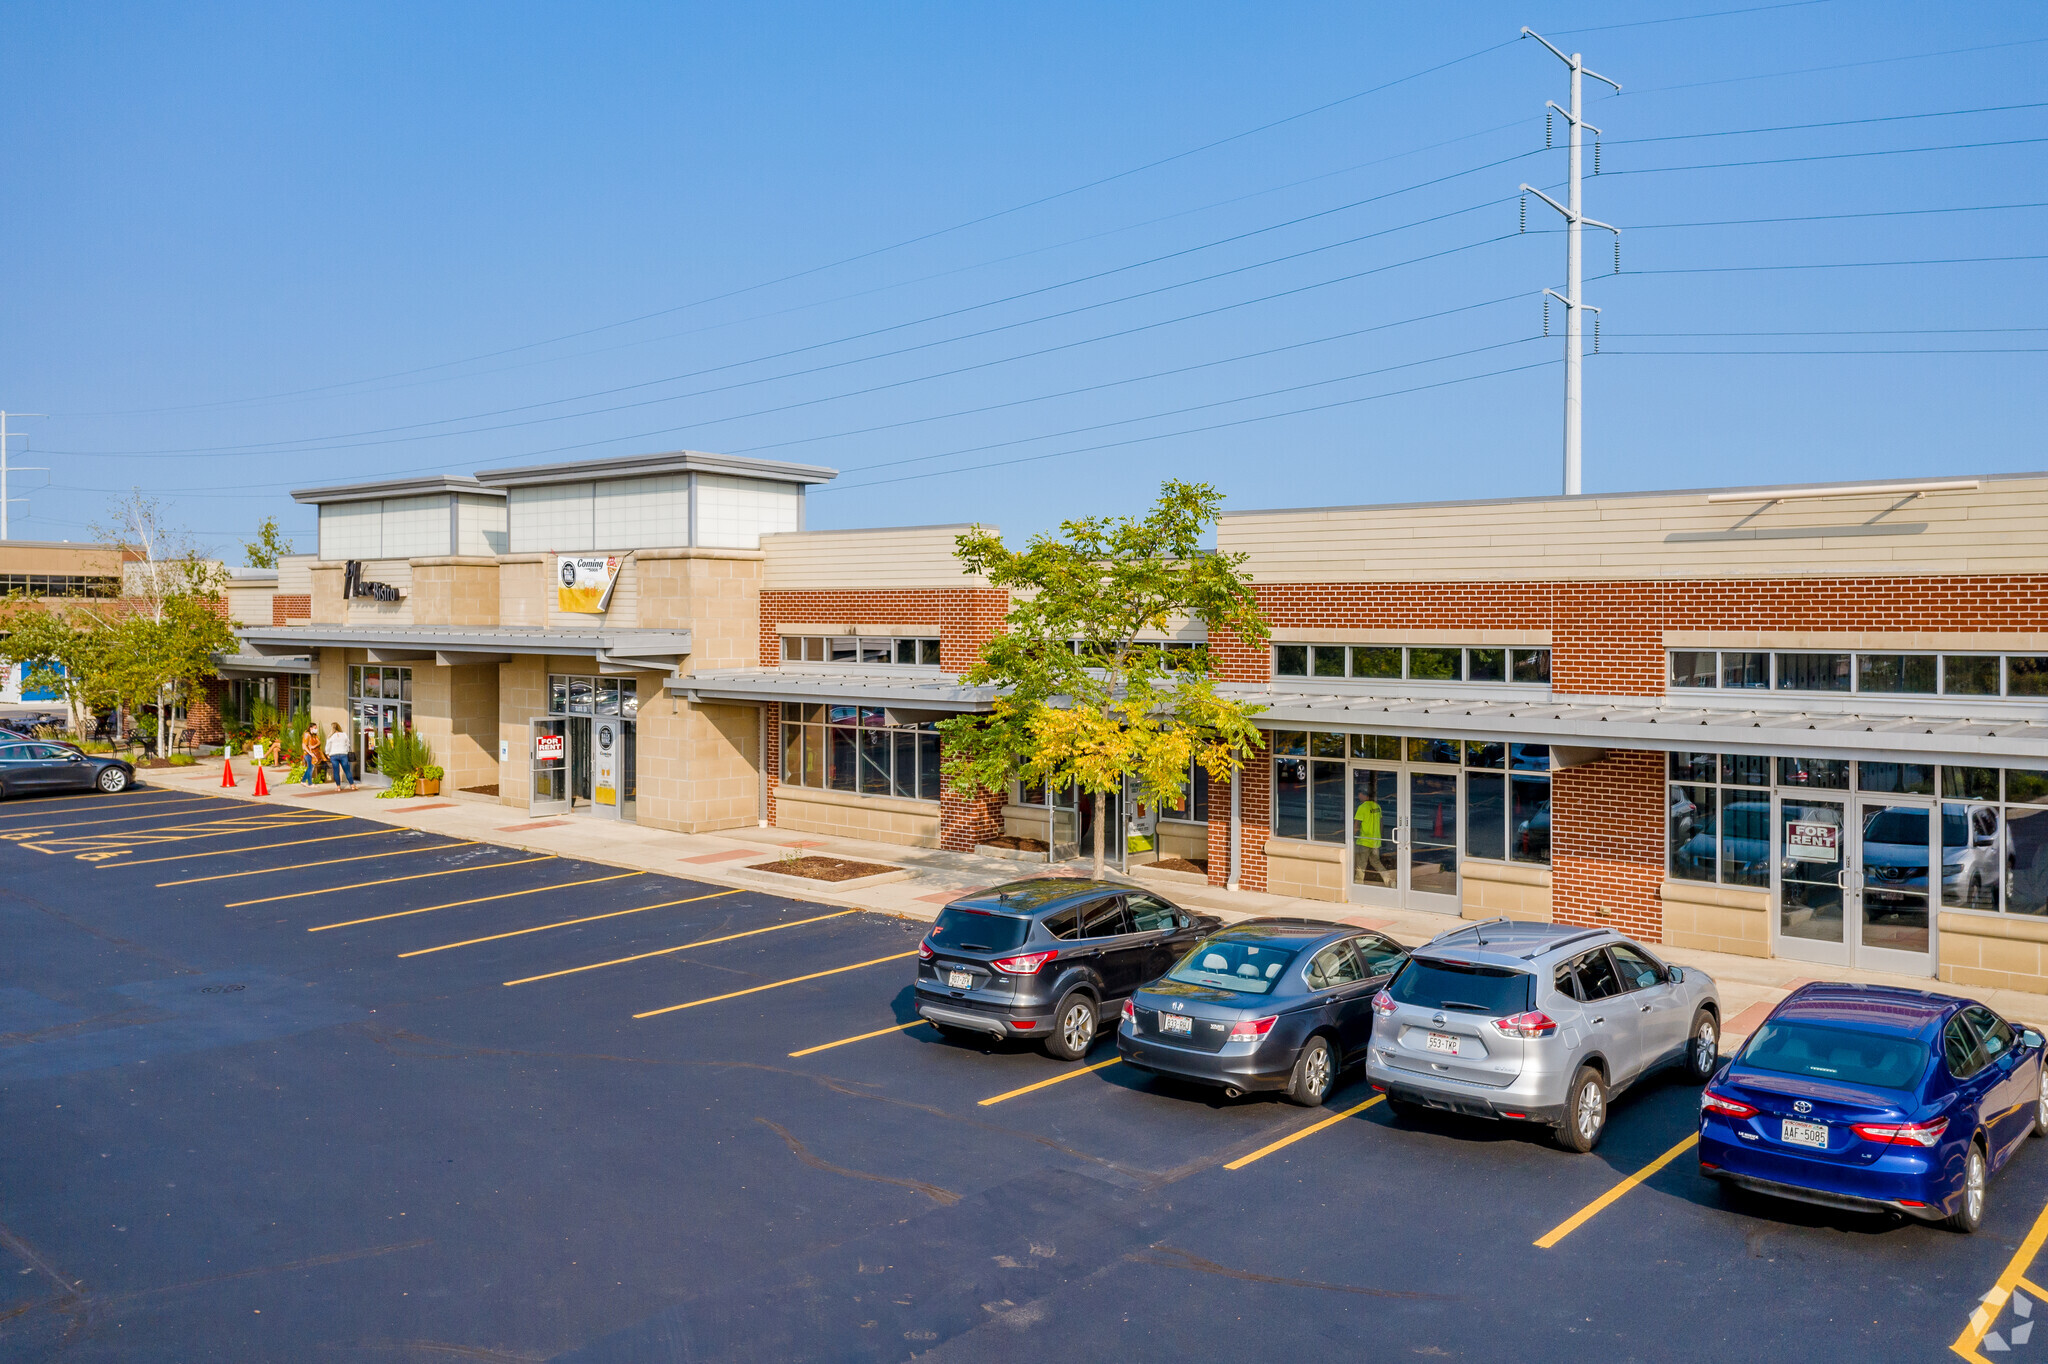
<point x="1574" y="372"/>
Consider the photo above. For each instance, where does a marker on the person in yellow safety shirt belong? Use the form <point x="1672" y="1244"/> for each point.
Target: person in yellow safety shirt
<point x="1369" y="839"/>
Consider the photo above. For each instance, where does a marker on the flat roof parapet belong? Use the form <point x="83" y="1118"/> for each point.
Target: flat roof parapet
<point x="378" y="489"/>
<point x="640" y="466"/>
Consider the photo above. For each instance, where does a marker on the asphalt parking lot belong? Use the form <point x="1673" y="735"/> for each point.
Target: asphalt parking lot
<point x="276" y="1084"/>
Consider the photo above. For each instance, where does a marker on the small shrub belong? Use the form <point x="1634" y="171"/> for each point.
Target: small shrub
<point x="404" y="788"/>
<point x="182" y="760"/>
<point x="403" y="754"/>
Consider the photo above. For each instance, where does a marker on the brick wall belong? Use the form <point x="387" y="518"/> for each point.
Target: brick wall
<point x="1607" y="844"/>
<point x="286" y="607"/>
<point x="964" y="822"/>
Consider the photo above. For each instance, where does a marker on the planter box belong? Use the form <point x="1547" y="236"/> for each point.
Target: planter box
<point x="428" y="787"/>
<point x="1009" y="854"/>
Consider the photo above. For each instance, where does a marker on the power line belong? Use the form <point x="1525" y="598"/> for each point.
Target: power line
<point x="1830" y="265"/>
<point x="1830" y="156"/>
<point x="1831" y="123"/>
<point x="1838" y="217"/>
<point x="1838" y="66"/>
<point x="1868" y="331"/>
<point x="1688" y="18"/>
<point x="2003" y="350"/>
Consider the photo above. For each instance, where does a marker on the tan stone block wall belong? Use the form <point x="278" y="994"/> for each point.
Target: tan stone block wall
<point x="1717" y="918"/>
<point x="327" y="598"/>
<point x="1183" y="840"/>
<point x="454" y="592"/>
<point x="841" y="814"/>
<point x="1995" y="952"/>
<point x="1495" y="890"/>
<point x="714" y="594"/>
<point x="699" y="766"/>
<point x="471" y="757"/>
<point x="1309" y="871"/>
<point x="330" y="688"/>
<point x="524" y="591"/>
<point x="1019" y="821"/>
<point x="522" y="694"/>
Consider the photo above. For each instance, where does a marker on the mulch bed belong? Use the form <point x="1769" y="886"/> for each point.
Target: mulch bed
<point x="817" y="868"/>
<point x="490" y="790"/>
<point x="1012" y="843"/>
<point x="1182" y="864"/>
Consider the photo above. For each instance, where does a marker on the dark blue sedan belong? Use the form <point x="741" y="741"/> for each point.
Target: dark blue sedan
<point x="1875" y="1098"/>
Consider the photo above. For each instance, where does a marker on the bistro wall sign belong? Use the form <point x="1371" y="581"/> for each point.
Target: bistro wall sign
<point x="352" y="585"/>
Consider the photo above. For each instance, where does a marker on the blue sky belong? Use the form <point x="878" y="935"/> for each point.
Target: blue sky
<point x="985" y="260"/>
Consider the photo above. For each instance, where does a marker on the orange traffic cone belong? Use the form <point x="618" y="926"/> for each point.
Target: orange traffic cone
<point x="227" y="771"/>
<point x="262" y="786"/>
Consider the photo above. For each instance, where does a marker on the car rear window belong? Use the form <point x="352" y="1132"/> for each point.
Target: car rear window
<point x="1859" y="1058"/>
<point x="977" y="930"/>
<point x="1493" y="990"/>
<point x="1246" y="968"/>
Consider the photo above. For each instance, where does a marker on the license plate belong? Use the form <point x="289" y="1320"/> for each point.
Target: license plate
<point x="1443" y="1042"/>
<point x="1176" y="1023"/>
<point x="1805" y="1134"/>
<point x="960" y="980"/>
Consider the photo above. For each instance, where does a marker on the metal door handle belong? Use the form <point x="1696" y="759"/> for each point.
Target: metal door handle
<point x="1642" y="1008"/>
<point x="1601" y="1019"/>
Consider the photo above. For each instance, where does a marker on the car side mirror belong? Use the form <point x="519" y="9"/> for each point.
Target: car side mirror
<point x="1677" y="975"/>
<point x="2030" y="1038"/>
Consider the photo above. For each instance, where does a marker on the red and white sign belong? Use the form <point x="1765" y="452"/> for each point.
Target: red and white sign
<point x="547" y="748"/>
<point x="1813" y="842"/>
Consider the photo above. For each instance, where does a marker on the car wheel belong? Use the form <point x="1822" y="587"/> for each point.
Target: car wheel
<point x="1703" y="1048"/>
<point x="1073" y="1027"/>
<point x="2041" y="1107"/>
<point x="112" y="780"/>
<point x="1585" y="1112"/>
<point x="1314" y="1071"/>
<point x="1969" y="1213"/>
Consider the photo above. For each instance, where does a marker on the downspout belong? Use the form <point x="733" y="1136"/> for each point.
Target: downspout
<point x="761" y="766"/>
<point x="1236" y="814"/>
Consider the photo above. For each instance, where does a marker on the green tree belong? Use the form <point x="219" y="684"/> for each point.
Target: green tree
<point x="58" y="650"/>
<point x="169" y="621"/>
<point x="268" y="547"/>
<point x="1081" y="699"/>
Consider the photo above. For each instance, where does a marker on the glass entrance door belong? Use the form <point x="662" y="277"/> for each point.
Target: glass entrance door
<point x="579" y="760"/>
<point x="1852" y="882"/>
<point x="1895" y="922"/>
<point x="547" y="752"/>
<point x="1404" y="839"/>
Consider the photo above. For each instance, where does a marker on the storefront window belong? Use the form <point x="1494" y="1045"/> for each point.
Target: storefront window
<point x="865" y="749"/>
<point x="1875" y="674"/>
<point x="913" y="652"/>
<point x="380" y="705"/>
<point x="599" y="695"/>
<point x="1434" y="663"/>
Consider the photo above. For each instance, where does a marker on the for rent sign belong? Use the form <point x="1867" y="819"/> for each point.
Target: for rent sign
<point x="547" y="748"/>
<point x="1809" y="842"/>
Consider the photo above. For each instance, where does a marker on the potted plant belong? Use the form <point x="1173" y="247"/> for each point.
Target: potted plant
<point x="429" y="783"/>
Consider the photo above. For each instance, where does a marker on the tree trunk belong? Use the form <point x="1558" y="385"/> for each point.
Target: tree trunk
<point x="1101" y="819"/>
<point x="162" y="740"/>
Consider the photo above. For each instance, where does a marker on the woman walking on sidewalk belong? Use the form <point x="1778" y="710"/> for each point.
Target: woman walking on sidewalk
<point x="312" y="754"/>
<point x="338" y="758"/>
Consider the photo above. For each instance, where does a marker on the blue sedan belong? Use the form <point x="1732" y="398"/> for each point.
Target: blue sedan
<point x="1875" y="1098"/>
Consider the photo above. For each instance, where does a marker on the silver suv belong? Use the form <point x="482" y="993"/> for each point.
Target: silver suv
<point x="1537" y="1023"/>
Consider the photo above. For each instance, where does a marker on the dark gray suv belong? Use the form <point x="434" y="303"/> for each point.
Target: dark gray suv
<point x="1050" y="958"/>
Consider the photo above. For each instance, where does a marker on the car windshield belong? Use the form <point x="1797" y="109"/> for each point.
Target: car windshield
<point x="1898" y="826"/>
<point x="1492" y="990"/>
<point x="1859" y="1058"/>
<point x="977" y="930"/>
<point x="1247" y="968"/>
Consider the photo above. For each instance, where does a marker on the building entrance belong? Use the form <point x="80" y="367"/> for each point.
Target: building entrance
<point x="1404" y="838"/>
<point x="1850" y="881"/>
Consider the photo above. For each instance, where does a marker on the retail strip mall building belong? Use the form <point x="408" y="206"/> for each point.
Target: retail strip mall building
<point x="1808" y="722"/>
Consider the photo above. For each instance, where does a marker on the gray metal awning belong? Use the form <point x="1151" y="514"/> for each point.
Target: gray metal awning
<point x="266" y="665"/>
<point x="1652" y="723"/>
<point x="908" y="689"/>
<point x="450" y="645"/>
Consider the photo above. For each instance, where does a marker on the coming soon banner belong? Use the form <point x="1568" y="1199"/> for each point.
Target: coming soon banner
<point x="586" y="582"/>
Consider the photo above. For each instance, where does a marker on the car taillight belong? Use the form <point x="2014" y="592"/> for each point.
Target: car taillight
<point x="1710" y="1102"/>
<point x="1130" y="1012"/>
<point x="1024" y="965"/>
<point x="924" y="950"/>
<point x="1534" y="1023"/>
<point x="1253" y="1029"/>
<point x="1911" y="1133"/>
<point x="1383" y="1004"/>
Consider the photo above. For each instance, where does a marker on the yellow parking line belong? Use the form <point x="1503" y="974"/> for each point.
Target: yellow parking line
<point x="1057" y="1079"/>
<point x="135" y="819"/>
<point x="479" y="900"/>
<point x="391" y="880"/>
<point x="586" y="919"/>
<point x="1308" y="1131"/>
<point x="1993" y="1302"/>
<point x="682" y="947"/>
<point x="122" y="805"/>
<point x="878" y="1032"/>
<point x="1593" y="1209"/>
<point x="175" y="833"/>
<point x="301" y="866"/>
<point x="777" y="985"/>
<point x="258" y="847"/>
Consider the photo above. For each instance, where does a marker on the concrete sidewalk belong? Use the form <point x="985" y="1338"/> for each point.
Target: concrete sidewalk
<point x="1749" y="986"/>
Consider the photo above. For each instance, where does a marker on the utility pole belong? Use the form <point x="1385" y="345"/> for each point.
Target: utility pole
<point x="1574" y="381"/>
<point x="5" y="469"/>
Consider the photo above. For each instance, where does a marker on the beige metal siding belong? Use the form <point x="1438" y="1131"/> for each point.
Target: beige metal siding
<point x="873" y="560"/>
<point x="1993" y="528"/>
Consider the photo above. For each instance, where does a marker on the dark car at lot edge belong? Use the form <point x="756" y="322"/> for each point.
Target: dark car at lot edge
<point x="34" y="767"/>
<point x="1875" y="1098"/>
<point x="1047" y="959"/>
<point x="1267" y="1004"/>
